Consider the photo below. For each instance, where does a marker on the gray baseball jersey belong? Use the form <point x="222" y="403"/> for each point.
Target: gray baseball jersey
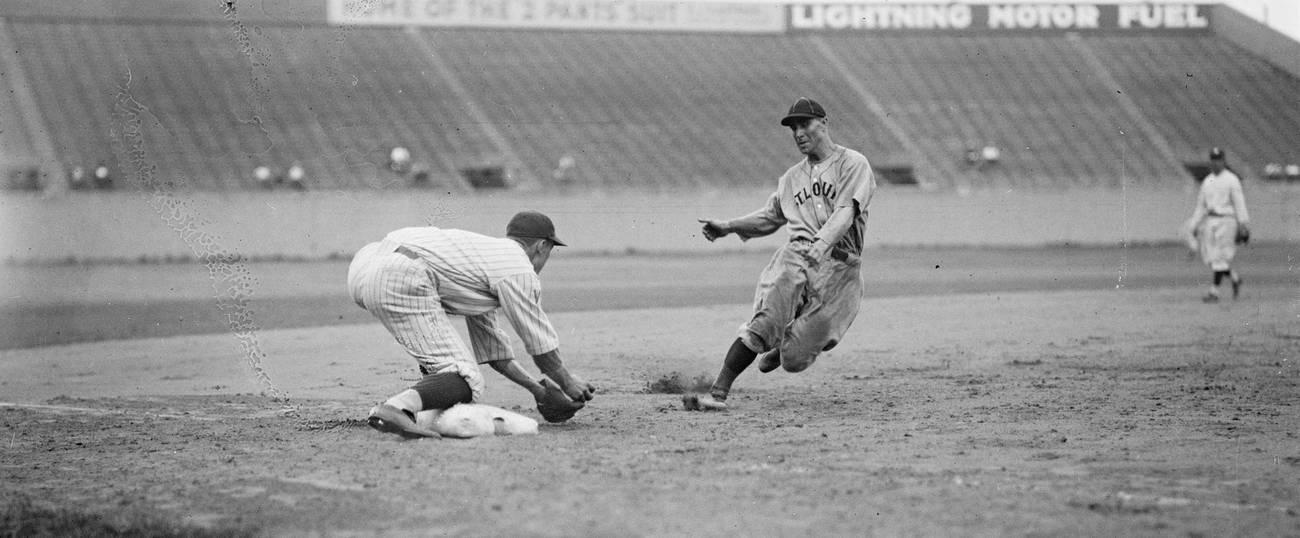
<point x="807" y="194"/>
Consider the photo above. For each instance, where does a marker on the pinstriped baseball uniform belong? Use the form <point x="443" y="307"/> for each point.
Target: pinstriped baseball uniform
<point x="415" y="278"/>
<point x="803" y="309"/>
<point x="1220" y="206"/>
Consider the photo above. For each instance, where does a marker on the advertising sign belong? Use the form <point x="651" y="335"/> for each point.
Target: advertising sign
<point x="1000" y="17"/>
<point x="564" y="14"/>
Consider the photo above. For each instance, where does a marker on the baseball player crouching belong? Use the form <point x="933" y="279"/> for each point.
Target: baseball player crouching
<point x="415" y="278"/>
<point x="1219" y="223"/>
<point x="810" y="291"/>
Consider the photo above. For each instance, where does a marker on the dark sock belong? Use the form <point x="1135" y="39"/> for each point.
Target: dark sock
<point x="1218" y="277"/>
<point x="440" y="391"/>
<point x="739" y="357"/>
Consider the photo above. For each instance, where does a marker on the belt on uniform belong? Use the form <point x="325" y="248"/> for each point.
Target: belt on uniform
<point x="401" y="249"/>
<point x="837" y="253"/>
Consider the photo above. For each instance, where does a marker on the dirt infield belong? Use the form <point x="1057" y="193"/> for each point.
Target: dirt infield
<point x="1070" y="410"/>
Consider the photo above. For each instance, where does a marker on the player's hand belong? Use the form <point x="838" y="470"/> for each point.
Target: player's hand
<point x="1243" y="234"/>
<point x="556" y="406"/>
<point x="714" y="229"/>
<point x="579" y="390"/>
<point x="575" y="388"/>
<point x="817" y="252"/>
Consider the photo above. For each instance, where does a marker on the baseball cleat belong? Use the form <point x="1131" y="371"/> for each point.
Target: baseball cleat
<point x="702" y="402"/>
<point x="389" y="419"/>
<point x="769" y="361"/>
<point x="1210" y="298"/>
<point x="1236" y="288"/>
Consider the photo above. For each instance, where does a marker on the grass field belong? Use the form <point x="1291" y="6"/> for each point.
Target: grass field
<point x="1024" y="392"/>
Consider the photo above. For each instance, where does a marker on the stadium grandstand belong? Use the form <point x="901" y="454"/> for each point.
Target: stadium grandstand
<point x="220" y="92"/>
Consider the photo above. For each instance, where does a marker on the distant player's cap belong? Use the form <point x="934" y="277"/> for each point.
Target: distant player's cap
<point x="1216" y="154"/>
<point x="533" y="224"/>
<point x="803" y="108"/>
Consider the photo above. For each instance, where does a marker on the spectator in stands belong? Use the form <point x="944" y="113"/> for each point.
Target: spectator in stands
<point x="983" y="157"/>
<point x="560" y="175"/>
<point x="77" y="178"/>
<point x="264" y="177"/>
<point x="296" y="177"/>
<point x="399" y="160"/>
<point x="992" y="154"/>
<point x="1273" y="171"/>
<point x="103" y="176"/>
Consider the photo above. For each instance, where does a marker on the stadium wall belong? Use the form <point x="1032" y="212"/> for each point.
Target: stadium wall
<point x="126" y="226"/>
<point x="1258" y="38"/>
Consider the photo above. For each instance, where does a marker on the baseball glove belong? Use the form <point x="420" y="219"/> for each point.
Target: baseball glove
<point x="555" y="406"/>
<point x="1243" y="234"/>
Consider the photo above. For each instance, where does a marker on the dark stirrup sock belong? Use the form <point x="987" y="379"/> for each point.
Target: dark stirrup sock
<point x="1218" y="277"/>
<point x="440" y="391"/>
<point x="739" y="357"/>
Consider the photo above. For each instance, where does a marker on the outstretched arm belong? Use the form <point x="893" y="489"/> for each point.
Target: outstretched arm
<point x="763" y="222"/>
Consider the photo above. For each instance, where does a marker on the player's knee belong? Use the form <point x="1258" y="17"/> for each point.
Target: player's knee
<point x="798" y="363"/>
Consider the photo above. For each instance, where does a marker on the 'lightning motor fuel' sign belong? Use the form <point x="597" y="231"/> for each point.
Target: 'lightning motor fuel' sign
<point x="853" y="16"/>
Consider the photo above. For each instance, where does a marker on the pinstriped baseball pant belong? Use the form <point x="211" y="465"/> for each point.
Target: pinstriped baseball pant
<point x="403" y="294"/>
<point x="801" y="309"/>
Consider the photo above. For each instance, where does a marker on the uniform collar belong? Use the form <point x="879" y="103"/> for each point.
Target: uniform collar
<point x="835" y="153"/>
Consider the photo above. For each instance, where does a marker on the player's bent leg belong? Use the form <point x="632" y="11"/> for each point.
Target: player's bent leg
<point x="435" y="391"/>
<point x="443" y="390"/>
<point x="776" y="299"/>
<point x="806" y="341"/>
<point x="822" y="323"/>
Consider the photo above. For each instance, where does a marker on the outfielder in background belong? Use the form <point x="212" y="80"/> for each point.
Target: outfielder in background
<point x="1219" y="223"/>
<point x="810" y="291"/>
<point x="415" y="278"/>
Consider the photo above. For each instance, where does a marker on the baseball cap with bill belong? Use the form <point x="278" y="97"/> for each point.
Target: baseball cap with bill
<point x="532" y="224"/>
<point x="803" y="108"/>
<point x="1216" y="154"/>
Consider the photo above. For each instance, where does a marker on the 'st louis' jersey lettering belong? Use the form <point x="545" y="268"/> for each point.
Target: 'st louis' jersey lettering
<point x="807" y="194"/>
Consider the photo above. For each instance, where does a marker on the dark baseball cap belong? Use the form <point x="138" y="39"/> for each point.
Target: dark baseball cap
<point x="803" y="108"/>
<point x="532" y="224"/>
<point x="1216" y="154"/>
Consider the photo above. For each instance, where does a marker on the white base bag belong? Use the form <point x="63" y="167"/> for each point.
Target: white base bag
<point x="475" y="420"/>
